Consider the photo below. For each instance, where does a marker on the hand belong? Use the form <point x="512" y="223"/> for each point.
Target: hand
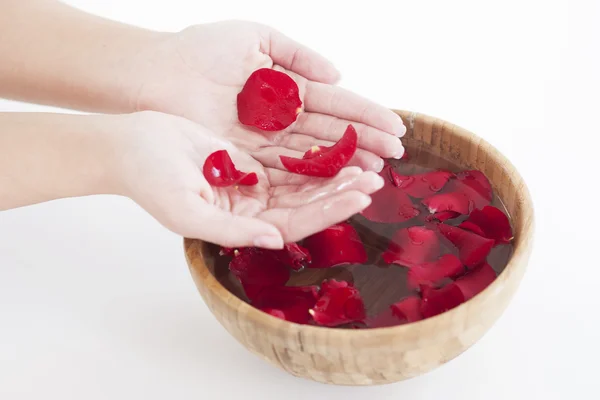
<point x="198" y="73"/>
<point x="158" y="164"/>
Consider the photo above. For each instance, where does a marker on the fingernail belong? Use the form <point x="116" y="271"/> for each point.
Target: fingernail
<point x="399" y="154"/>
<point x="378" y="184"/>
<point x="378" y="165"/>
<point x="365" y="201"/>
<point x="402" y="131"/>
<point x="269" y="242"/>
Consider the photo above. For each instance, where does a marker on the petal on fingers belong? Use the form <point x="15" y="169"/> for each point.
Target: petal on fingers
<point x="297" y="223"/>
<point x="327" y="127"/>
<point x="341" y="103"/>
<point x="269" y="157"/>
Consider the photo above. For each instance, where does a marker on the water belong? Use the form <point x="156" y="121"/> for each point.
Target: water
<point x="379" y="283"/>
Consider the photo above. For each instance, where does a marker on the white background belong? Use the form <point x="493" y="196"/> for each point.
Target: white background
<point x="95" y="298"/>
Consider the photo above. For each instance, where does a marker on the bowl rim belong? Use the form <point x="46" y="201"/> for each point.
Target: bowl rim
<point x="522" y="247"/>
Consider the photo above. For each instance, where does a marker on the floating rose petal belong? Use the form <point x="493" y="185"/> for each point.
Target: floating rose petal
<point x="269" y="100"/>
<point x="258" y="269"/>
<point x="442" y="216"/>
<point x="324" y="161"/>
<point x="491" y="223"/>
<point x="294" y="256"/>
<point x="390" y="204"/>
<point x="475" y="185"/>
<point x="413" y="246"/>
<point x="476" y="280"/>
<point x="432" y="273"/>
<point x="219" y="171"/>
<point x="339" y="303"/>
<point x="290" y="303"/>
<point x="337" y="245"/>
<point x="437" y="301"/>
<point x="471" y="227"/>
<point x="408" y="309"/>
<point x="473" y="249"/>
<point x="455" y="202"/>
<point x="421" y="185"/>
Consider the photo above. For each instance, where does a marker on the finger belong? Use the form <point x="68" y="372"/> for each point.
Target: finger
<point x="297" y="223"/>
<point x="326" y="127"/>
<point x="209" y="223"/>
<point x="269" y="157"/>
<point x="299" y="58"/>
<point x="367" y="182"/>
<point x="311" y="182"/>
<point x="279" y="178"/>
<point x="341" y="103"/>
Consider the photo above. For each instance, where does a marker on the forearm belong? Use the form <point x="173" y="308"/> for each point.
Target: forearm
<point x="50" y="156"/>
<point x="57" y="55"/>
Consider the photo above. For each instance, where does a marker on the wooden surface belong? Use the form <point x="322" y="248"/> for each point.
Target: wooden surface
<point x="378" y="356"/>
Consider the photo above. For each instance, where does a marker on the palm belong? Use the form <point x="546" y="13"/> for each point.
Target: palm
<point x="297" y="205"/>
<point x="211" y="64"/>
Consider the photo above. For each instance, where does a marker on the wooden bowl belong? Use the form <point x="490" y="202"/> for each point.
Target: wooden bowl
<point x="385" y="355"/>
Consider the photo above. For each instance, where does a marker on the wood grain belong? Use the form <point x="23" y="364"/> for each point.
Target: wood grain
<point x="385" y="355"/>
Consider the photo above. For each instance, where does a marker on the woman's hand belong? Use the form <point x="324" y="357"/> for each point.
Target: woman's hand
<point x="158" y="163"/>
<point x="198" y="73"/>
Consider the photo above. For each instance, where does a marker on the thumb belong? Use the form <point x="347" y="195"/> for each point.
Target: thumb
<point x="211" y="224"/>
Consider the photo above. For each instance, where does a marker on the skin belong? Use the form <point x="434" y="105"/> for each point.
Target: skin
<point x="173" y="96"/>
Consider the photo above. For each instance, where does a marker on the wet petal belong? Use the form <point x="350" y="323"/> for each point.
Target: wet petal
<point x="336" y="245"/>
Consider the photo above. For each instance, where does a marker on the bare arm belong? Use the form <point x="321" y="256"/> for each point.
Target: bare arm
<point x="57" y="55"/>
<point x="50" y="156"/>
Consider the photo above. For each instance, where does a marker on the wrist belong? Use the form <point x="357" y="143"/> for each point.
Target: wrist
<point x="51" y="156"/>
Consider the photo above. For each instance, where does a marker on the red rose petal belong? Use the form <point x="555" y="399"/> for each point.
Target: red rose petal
<point x="326" y="161"/>
<point x="471" y="227"/>
<point x="476" y="280"/>
<point x="475" y="185"/>
<point x="269" y="100"/>
<point x="437" y="301"/>
<point x="390" y="204"/>
<point x="339" y="303"/>
<point x="491" y="223"/>
<point x="258" y="269"/>
<point x="413" y="246"/>
<point x="337" y="245"/>
<point x="473" y="249"/>
<point x="290" y="303"/>
<point x="219" y="171"/>
<point x="456" y="202"/>
<point x="447" y="266"/>
<point x="294" y="256"/>
<point x="408" y="309"/>
<point x="421" y="185"/>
